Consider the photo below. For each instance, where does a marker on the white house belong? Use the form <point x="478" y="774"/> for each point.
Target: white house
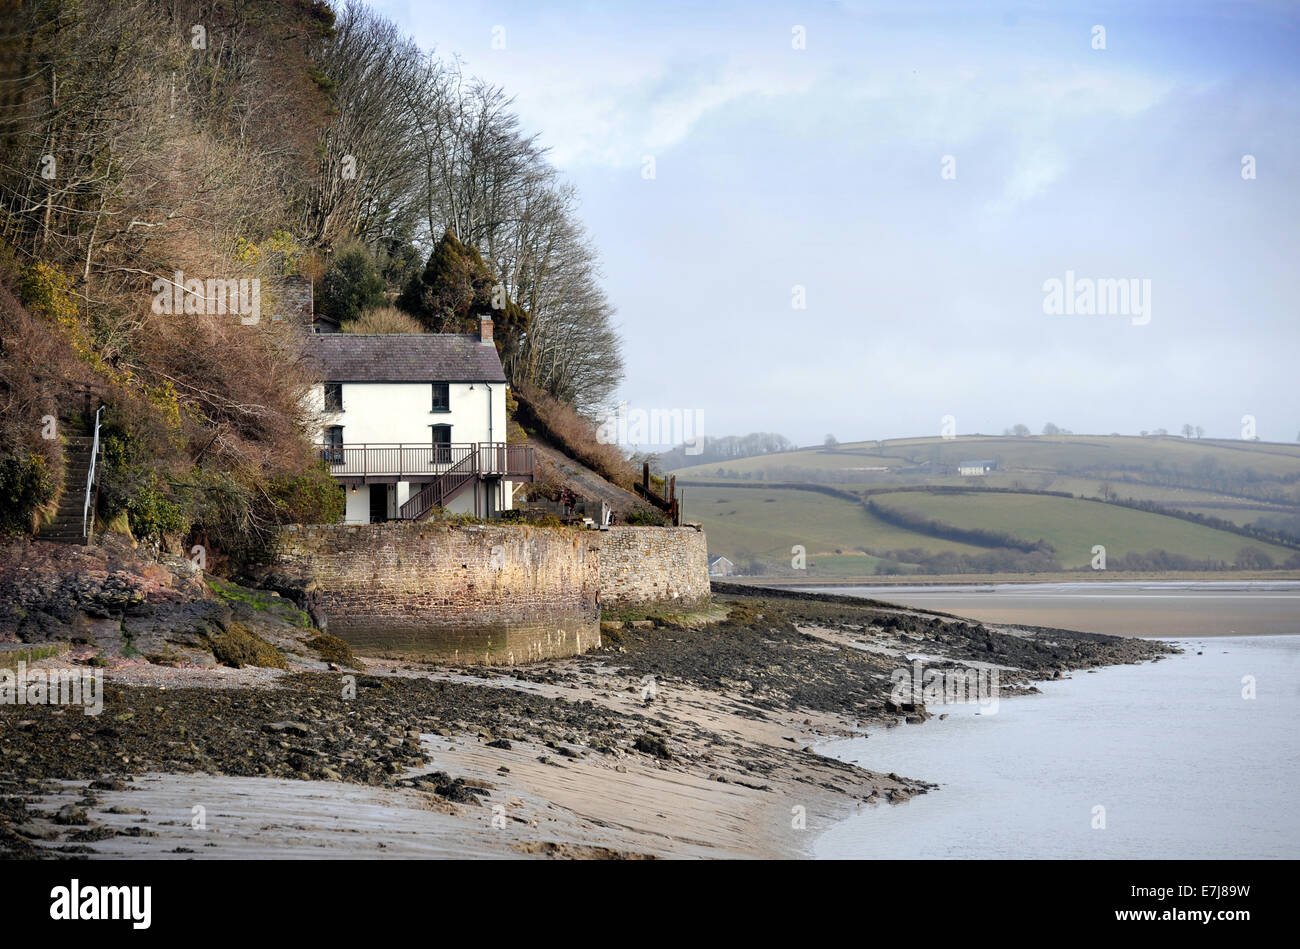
<point x="975" y="468"/>
<point x="412" y="422"/>
<point x="721" y="567"/>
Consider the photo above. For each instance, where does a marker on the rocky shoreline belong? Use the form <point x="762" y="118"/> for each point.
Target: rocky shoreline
<point x="681" y="736"/>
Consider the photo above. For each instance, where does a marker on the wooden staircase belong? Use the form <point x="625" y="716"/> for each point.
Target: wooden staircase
<point x="437" y="493"/>
<point x="66" y="528"/>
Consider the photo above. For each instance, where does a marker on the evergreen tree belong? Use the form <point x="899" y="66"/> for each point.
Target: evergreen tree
<point x="456" y="289"/>
<point x="351" y="285"/>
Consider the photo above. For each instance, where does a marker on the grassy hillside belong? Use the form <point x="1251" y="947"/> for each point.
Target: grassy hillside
<point x="1237" y="482"/>
<point x="763" y="526"/>
<point x="1072" y="527"/>
<point x="757" y="527"/>
<point x="1100" y="455"/>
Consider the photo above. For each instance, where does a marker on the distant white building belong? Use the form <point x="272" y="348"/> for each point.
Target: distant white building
<point x="413" y="422"/>
<point x="973" y="468"/>
<point x="721" y="567"/>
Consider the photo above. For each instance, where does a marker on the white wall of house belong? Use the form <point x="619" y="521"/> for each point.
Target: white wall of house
<point x="402" y="412"/>
<point x="357" y="510"/>
<point x="357" y="507"/>
<point x="392" y="412"/>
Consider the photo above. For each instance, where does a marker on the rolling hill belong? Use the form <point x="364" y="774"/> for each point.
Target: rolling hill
<point x="1070" y="493"/>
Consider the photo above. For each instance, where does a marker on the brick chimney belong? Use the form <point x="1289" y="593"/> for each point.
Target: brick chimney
<point x="485" y="330"/>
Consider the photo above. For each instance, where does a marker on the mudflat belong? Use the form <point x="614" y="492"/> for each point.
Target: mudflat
<point x="681" y="736"/>
<point x="1125" y="608"/>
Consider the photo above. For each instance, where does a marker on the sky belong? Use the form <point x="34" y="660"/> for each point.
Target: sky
<point x="857" y="209"/>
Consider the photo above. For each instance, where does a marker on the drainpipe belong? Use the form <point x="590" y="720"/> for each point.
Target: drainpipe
<point x="491" y="448"/>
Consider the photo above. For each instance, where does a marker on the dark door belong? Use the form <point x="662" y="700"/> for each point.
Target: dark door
<point x="378" y="503"/>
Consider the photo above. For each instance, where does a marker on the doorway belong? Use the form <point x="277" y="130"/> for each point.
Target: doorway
<point x="378" y="503"/>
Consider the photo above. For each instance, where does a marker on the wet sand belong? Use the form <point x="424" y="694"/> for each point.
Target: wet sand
<point x="1119" y="609"/>
<point x="692" y="738"/>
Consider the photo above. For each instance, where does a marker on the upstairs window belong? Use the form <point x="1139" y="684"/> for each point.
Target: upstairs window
<point x="333" y="397"/>
<point x="441" y="397"/>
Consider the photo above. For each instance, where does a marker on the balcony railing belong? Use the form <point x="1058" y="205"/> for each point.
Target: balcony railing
<point x="427" y="462"/>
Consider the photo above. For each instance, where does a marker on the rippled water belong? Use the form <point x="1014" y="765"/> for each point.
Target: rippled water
<point x="1183" y="765"/>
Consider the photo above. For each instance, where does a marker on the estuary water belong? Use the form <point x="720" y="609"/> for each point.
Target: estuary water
<point x="1169" y="759"/>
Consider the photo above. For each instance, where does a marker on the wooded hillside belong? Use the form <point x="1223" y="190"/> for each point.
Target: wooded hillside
<point x="253" y="141"/>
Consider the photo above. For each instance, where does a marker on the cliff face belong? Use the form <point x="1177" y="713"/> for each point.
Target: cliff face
<point x="114" y="603"/>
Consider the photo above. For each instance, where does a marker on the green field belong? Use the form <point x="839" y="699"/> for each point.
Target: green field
<point x="757" y="522"/>
<point x="757" y="527"/>
<point x="1162" y="468"/>
<point x="745" y="523"/>
<point x="1073" y="527"/>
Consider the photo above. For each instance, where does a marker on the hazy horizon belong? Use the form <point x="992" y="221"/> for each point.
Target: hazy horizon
<point x="823" y="168"/>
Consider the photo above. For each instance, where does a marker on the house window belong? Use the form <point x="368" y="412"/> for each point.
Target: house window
<point x="333" y="453"/>
<point x="333" y="397"/>
<point x="441" y="436"/>
<point x="441" y="397"/>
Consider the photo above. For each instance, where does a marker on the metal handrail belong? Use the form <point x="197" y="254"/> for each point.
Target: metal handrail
<point x="436" y="493"/>
<point x="407" y="460"/>
<point x="90" y="475"/>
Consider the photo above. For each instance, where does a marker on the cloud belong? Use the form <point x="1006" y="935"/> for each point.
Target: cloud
<point x="1036" y="168"/>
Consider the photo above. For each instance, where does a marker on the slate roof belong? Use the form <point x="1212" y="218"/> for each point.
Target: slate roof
<point x="413" y="357"/>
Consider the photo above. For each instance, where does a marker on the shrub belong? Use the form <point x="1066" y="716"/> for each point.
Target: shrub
<point x="574" y="434"/>
<point x="46" y="290"/>
<point x="384" y="319"/>
<point x="351" y="286"/>
<point x="311" y="498"/>
<point x="1252" y="558"/>
<point x="25" y="486"/>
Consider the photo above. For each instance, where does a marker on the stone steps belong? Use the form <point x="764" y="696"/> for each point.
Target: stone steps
<point x="66" y="527"/>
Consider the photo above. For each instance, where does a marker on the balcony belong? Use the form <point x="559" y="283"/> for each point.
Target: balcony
<point x="391" y="462"/>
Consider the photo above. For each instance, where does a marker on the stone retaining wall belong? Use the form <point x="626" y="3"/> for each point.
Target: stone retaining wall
<point x="454" y="593"/>
<point x="482" y="593"/>
<point x="653" y="568"/>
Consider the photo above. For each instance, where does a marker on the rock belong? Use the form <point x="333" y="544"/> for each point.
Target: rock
<point x="653" y="745"/>
<point x="287" y="728"/>
<point x="70" y="814"/>
<point x="501" y="743"/>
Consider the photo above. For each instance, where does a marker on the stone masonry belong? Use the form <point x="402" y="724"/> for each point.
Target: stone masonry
<point x="474" y="594"/>
<point x="484" y="593"/>
<point x="653" y="568"/>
